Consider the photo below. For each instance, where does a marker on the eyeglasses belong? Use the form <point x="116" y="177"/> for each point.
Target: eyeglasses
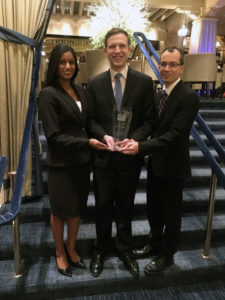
<point x="172" y="64"/>
<point x="64" y="62"/>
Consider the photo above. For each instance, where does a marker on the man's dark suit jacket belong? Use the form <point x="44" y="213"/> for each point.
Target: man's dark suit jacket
<point x="64" y="126"/>
<point x="138" y="95"/>
<point x="169" y="145"/>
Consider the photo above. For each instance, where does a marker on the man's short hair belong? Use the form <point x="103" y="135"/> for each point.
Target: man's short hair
<point x="171" y="50"/>
<point x="114" y="31"/>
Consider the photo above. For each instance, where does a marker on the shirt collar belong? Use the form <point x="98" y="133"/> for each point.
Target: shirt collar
<point x="171" y="87"/>
<point x="123" y="72"/>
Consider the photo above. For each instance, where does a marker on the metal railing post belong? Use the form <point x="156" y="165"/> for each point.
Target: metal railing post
<point x="212" y="193"/>
<point x="16" y="247"/>
<point x="142" y="63"/>
<point x="16" y="235"/>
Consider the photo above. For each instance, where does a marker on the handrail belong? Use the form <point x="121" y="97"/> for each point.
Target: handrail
<point x="15" y="203"/>
<point x="12" y="214"/>
<point x="217" y="172"/>
<point x="207" y="154"/>
<point x="211" y="137"/>
<point x="3" y="163"/>
<point x="13" y="36"/>
<point x="146" y="54"/>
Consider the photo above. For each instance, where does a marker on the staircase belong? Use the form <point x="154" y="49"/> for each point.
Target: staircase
<point x="41" y="280"/>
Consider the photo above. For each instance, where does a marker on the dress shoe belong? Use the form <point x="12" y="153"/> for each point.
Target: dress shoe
<point x="146" y="251"/>
<point x="77" y="264"/>
<point x="96" y="264"/>
<point x="130" y="263"/>
<point x="66" y="272"/>
<point x="160" y="263"/>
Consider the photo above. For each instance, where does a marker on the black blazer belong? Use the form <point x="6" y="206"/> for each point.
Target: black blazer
<point x="169" y="145"/>
<point x="138" y="95"/>
<point x="64" y="126"/>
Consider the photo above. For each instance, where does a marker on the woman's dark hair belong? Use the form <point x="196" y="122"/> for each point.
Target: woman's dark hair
<point x="57" y="52"/>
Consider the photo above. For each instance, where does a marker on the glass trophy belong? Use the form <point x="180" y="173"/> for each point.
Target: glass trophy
<point x="121" y="124"/>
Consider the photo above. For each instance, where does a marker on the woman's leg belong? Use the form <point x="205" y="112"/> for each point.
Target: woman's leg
<point x="72" y="231"/>
<point x="57" y="226"/>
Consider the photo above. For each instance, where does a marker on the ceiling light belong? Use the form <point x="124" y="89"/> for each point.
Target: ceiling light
<point x="183" y="31"/>
<point x="192" y="16"/>
<point x="218" y="44"/>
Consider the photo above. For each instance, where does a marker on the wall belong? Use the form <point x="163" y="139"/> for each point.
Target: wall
<point x="68" y="25"/>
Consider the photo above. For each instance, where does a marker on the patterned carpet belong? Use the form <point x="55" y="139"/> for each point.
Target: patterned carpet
<point x="202" y="291"/>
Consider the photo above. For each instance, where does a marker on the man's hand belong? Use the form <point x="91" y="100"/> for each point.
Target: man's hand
<point x="129" y="147"/>
<point x="109" y="142"/>
<point x="95" y="144"/>
<point x="124" y="143"/>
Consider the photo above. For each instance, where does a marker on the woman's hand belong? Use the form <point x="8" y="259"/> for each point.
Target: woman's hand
<point x="95" y="144"/>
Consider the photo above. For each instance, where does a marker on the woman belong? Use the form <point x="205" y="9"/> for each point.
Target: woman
<point x="63" y="112"/>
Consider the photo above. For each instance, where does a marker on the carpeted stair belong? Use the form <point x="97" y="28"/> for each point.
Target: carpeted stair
<point x="41" y="280"/>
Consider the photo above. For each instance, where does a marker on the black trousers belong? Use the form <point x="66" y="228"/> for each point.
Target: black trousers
<point x="164" y="202"/>
<point x="114" y="194"/>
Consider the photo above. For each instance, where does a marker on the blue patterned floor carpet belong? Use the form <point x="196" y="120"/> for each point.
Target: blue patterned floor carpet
<point x="201" y="291"/>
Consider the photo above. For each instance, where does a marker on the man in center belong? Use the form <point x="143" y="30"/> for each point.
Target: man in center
<point x="116" y="175"/>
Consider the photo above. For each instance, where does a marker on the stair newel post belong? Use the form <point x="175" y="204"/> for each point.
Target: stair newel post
<point x="16" y="234"/>
<point x="142" y="63"/>
<point x="212" y="194"/>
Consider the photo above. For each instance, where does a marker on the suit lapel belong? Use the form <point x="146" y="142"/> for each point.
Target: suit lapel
<point x="130" y="81"/>
<point x="82" y="113"/>
<point x="170" y="99"/>
<point x="70" y="102"/>
<point x="107" y="88"/>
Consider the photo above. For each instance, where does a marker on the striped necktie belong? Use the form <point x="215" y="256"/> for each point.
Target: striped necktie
<point x="118" y="90"/>
<point x="162" y="101"/>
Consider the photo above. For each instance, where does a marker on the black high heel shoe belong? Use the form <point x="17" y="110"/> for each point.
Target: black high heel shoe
<point x="65" y="272"/>
<point x="77" y="264"/>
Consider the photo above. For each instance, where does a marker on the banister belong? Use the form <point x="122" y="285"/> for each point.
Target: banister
<point x="3" y="163"/>
<point x="13" y="36"/>
<point x="12" y="214"/>
<point x="211" y="137"/>
<point x="146" y="54"/>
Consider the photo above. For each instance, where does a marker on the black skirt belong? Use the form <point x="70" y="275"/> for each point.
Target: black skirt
<point x="68" y="190"/>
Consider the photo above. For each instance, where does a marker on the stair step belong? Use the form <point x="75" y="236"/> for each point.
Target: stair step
<point x="214" y="104"/>
<point x="220" y="137"/>
<point x="41" y="279"/>
<point x="199" y="160"/>
<point x="209" y="114"/>
<point x="214" y="125"/>
<point x="41" y="243"/>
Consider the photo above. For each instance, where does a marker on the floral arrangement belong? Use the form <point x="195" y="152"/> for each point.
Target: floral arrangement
<point x="126" y="14"/>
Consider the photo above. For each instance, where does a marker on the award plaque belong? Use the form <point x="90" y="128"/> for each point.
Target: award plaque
<point x="121" y="123"/>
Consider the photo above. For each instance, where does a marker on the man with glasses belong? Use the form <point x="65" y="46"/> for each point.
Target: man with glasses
<point x="169" y="162"/>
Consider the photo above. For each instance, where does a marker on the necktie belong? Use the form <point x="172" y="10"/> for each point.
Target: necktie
<point x="118" y="90"/>
<point x="162" y="101"/>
